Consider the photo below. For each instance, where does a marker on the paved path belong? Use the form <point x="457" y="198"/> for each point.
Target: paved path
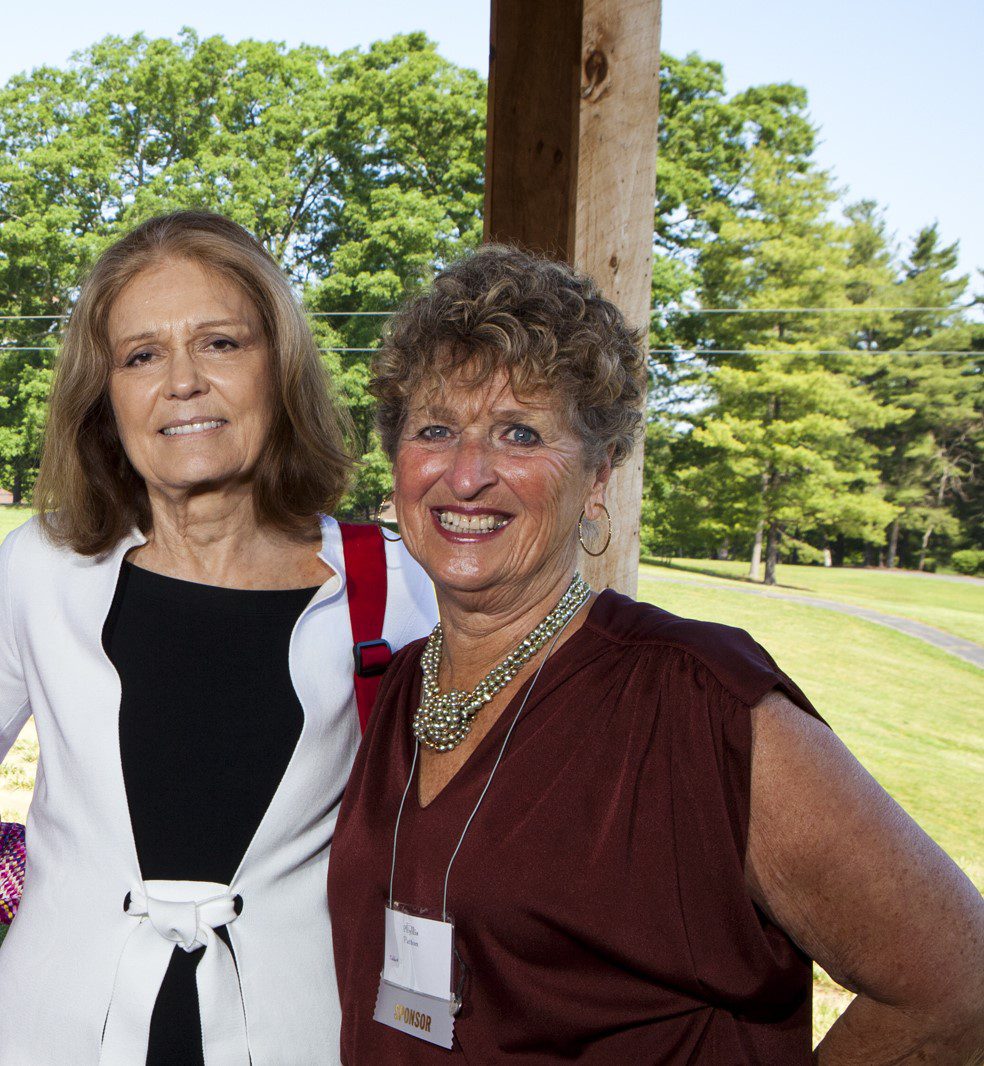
<point x="967" y="650"/>
<point x="961" y="579"/>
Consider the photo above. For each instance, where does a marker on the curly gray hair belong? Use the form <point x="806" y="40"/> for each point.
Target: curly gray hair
<point x="542" y="322"/>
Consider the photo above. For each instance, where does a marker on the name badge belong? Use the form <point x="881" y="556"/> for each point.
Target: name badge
<point x="415" y="988"/>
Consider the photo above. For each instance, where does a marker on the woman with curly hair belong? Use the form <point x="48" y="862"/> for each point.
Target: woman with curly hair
<point x="580" y="828"/>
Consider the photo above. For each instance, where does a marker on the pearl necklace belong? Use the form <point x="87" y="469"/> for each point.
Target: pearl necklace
<point x="444" y="719"/>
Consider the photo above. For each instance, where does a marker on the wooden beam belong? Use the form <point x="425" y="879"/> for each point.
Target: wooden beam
<point x="532" y="133"/>
<point x="571" y="171"/>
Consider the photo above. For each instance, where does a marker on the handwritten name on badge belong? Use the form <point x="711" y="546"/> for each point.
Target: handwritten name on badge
<point x="418" y="953"/>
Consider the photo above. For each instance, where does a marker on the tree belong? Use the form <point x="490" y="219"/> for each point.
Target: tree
<point x="810" y="427"/>
<point x="930" y="460"/>
<point x="783" y="432"/>
<point x="24" y="388"/>
<point x="788" y="399"/>
<point x="360" y="172"/>
<point x="705" y="145"/>
<point x="740" y="222"/>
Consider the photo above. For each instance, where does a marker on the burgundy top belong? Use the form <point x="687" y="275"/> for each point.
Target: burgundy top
<point x="599" y="899"/>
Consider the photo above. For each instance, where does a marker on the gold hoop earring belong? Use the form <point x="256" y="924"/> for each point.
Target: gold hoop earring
<point x="580" y="533"/>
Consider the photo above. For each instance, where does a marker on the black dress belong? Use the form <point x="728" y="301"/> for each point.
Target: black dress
<point x="209" y="720"/>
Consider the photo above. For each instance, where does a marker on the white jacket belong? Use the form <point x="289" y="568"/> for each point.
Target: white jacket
<point x="60" y="958"/>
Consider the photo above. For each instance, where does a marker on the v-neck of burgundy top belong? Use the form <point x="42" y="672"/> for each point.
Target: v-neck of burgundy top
<point x="599" y="899"/>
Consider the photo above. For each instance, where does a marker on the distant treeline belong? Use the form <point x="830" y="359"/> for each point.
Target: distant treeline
<point x="851" y="430"/>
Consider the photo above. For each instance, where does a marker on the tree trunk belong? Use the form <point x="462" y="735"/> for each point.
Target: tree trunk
<point x="827" y="558"/>
<point x="17" y="489"/>
<point x="840" y="550"/>
<point x="924" y="547"/>
<point x="772" y="554"/>
<point x="893" y="543"/>
<point x="755" y="570"/>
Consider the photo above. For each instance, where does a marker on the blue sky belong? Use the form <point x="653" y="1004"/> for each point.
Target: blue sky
<point x="894" y="85"/>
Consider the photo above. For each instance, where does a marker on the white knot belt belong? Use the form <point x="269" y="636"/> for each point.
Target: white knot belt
<point x="186" y="913"/>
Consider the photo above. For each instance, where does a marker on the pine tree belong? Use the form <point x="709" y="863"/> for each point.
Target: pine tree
<point x="930" y="460"/>
<point x="788" y="400"/>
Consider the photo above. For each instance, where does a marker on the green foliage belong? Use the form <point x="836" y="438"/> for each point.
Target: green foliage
<point x="24" y="387"/>
<point x="907" y="710"/>
<point x="360" y="172"/>
<point x="806" y="428"/>
<point x="931" y="458"/>
<point x="774" y="440"/>
<point x="968" y="561"/>
<point x="705" y="141"/>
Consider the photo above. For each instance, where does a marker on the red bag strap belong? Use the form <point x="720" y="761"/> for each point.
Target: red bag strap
<point x="364" y="550"/>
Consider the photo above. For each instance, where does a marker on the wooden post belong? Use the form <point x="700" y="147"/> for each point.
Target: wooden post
<point x="571" y="171"/>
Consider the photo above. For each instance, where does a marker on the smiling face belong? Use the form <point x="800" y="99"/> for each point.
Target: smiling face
<point x="489" y="488"/>
<point x="190" y="386"/>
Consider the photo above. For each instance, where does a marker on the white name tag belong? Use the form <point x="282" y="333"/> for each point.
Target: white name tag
<point x="415" y="993"/>
<point x="418" y="953"/>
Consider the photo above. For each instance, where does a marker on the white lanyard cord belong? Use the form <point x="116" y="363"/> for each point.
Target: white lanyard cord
<point x="502" y="751"/>
<point x="399" y="815"/>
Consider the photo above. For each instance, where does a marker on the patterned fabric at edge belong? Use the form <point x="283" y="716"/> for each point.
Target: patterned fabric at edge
<point x="12" y="858"/>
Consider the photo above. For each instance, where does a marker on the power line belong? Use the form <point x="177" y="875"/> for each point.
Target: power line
<point x="811" y="351"/>
<point x="682" y="351"/>
<point x="655" y="311"/>
<point x="789" y="310"/>
<point x="309" y="314"/>
<point x="18" y="348"/>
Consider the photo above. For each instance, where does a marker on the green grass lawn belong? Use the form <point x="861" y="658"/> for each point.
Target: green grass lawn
<point x="911" y="713"/>
<point x="12" y="517"/>
<point x="956" y="606"/>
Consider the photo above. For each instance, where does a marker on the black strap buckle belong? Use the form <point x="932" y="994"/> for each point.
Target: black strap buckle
<point x="371" y="657"/>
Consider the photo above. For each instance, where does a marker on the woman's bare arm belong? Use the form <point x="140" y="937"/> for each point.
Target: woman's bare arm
<point x="834" y="861"/>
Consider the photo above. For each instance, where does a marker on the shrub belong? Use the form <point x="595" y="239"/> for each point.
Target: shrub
<point x="968" y="561"/>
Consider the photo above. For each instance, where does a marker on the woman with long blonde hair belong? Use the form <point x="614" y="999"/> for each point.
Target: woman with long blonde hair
<point x="177" y="620"/>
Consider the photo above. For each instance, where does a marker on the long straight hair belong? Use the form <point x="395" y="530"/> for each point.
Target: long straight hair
<point x="88" y="494"/>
